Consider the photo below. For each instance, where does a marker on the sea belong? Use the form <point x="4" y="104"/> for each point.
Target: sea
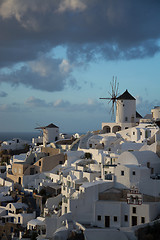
<point x="4" y="136"/>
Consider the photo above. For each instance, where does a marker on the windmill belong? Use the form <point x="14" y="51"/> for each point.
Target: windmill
<point x="113" y="94"/>
<point x="39" y="128"/>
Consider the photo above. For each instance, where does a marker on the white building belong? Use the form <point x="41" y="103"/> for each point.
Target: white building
<point x="14" y="144"/>
<point x="156" y="113"/>
<point x="140" y="133"/>
<point x="127" y="196"/>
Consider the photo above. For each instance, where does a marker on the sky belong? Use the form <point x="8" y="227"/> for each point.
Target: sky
<point x="57" y="58"/>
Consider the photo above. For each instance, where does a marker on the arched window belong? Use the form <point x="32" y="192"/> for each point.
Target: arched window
<point x="106" y="129"/>
<point x="116" y="129"/>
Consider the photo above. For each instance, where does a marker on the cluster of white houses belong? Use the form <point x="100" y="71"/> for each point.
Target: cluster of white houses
<point x="104" y="183"/>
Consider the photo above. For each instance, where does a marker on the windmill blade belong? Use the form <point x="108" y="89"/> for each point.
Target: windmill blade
<point x="109" y="101"/>
<point x="112" y="109"/>
<point x="113" y="94"/>
<point x="105" y="98"/>
<point x="112" y="86"/>
<point x="117" y="89"/>
<point x="109" y="93"/>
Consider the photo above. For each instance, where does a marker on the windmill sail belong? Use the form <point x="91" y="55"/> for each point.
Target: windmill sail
<point x="113" y="94"/>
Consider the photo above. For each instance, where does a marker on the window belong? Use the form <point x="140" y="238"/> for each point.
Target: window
<point x="122" y="173"/>
<point x="90" y="145"/>
<point x="148" y="164"/>
<point x="142" y="219"/>
<point x="99" y="217"/>
<point x="133" y="173"/>
<point x="65" y="209"/>
<point x="134" y="210"/>
<point x="140" y="133"/>
<point x="68" y="183"/>
<point x="126" y="218"/>
<point x="19" y="219"/>
<point x="133" y="133"/>
<point x="39" y="163"/>
<point x="115" y="218"/>
<point x="126" y="119"/>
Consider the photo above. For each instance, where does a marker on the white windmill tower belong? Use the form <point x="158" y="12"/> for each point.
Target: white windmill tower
<point x="126" y="108"/>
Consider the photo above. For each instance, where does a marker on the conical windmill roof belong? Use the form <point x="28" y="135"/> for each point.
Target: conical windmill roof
<point x="126" y="96"/>
<point x="49" y="126"/>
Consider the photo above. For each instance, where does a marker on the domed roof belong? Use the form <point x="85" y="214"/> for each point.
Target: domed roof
<point x="138" y="157"/>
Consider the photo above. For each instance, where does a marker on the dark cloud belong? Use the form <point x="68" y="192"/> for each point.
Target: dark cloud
<point x="45" y="73"/>
<point x="3" y="94"/>
<point x="88" y="30"/>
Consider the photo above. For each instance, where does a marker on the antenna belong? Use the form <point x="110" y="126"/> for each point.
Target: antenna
<point x="113" y="94"/>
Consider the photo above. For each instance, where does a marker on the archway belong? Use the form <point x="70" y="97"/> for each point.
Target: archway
<point x="116" y="129"/>
<point x="106" y="129"/>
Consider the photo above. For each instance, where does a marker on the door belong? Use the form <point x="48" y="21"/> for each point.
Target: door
<point x="19" y="180"/>
<point x="134" y="220"/>
<point x="107" y="221"/>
